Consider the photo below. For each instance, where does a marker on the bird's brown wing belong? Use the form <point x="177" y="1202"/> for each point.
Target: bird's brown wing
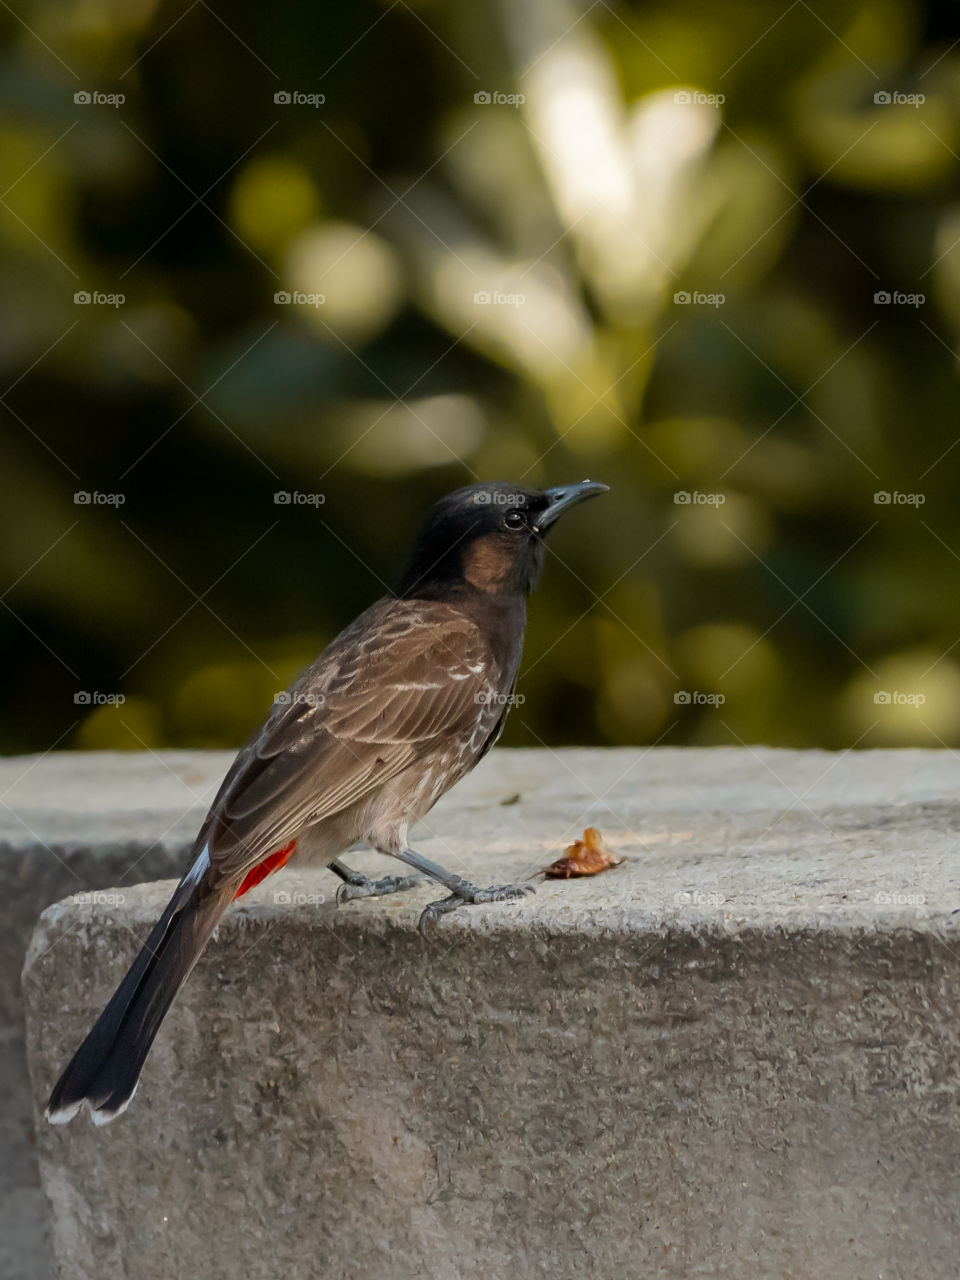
<point x="374" y="702"/>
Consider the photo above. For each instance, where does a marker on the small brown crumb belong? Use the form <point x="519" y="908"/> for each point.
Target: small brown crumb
<point x="586" y="857"/>
<point x="514" y="799"/>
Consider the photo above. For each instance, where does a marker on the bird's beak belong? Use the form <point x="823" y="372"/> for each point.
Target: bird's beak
<point x="563" y="498"/>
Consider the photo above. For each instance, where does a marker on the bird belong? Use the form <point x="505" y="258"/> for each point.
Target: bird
<point x="398" y="707"/>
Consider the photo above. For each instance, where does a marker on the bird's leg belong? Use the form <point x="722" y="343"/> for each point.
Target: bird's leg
<point x="461" y="891"/>
<point x="357" y="885"/>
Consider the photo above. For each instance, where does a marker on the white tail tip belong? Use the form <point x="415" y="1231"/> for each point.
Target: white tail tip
<point x="99" y="1115"/>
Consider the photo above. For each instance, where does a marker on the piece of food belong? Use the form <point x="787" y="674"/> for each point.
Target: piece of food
<point x="586" y="857"/>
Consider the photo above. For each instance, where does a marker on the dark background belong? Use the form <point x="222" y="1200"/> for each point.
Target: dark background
<point x="819" y="615"/>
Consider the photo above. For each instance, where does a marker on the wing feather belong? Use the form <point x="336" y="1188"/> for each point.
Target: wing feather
<point x="388" y="690"/>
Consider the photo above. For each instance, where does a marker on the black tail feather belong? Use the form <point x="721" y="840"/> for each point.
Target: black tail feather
<point x="104" y="1071"/>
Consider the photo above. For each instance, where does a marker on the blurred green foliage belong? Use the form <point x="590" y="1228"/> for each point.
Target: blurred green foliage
<point x="503" y="287"/>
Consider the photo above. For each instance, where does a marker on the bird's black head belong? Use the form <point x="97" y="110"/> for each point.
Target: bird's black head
<point x="488" y="538"/>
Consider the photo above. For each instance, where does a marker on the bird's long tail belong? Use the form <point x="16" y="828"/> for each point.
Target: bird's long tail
<point x="104" y="1072"/>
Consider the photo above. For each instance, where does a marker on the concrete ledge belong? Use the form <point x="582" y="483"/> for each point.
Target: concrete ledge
<point x="73" y="822"/>
<point x="737" y="1054"/>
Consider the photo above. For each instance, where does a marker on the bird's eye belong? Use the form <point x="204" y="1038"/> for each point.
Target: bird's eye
<point x="515" y="519"/>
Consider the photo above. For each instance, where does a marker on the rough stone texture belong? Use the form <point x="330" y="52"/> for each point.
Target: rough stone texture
<point x="73" y="823"/>
<point x="735" y="1055"/>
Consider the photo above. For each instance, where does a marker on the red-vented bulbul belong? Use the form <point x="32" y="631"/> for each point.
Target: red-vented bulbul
<point x="395" y="710"/>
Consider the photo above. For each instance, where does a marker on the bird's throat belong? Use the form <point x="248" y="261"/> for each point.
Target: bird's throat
<point x="487" y="566"/>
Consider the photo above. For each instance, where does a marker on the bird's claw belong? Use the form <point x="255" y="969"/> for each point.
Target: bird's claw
<point x="364" y="887"/>
<point x="472" y="896"/>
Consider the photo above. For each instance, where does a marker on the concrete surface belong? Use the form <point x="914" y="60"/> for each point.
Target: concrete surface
<point x="735" y="1055"/>
<point x="73" y="823"/>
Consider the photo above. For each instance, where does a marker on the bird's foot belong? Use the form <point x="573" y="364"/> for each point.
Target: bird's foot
<point x="358" y="885"/>
<point x="468" y="894"/>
